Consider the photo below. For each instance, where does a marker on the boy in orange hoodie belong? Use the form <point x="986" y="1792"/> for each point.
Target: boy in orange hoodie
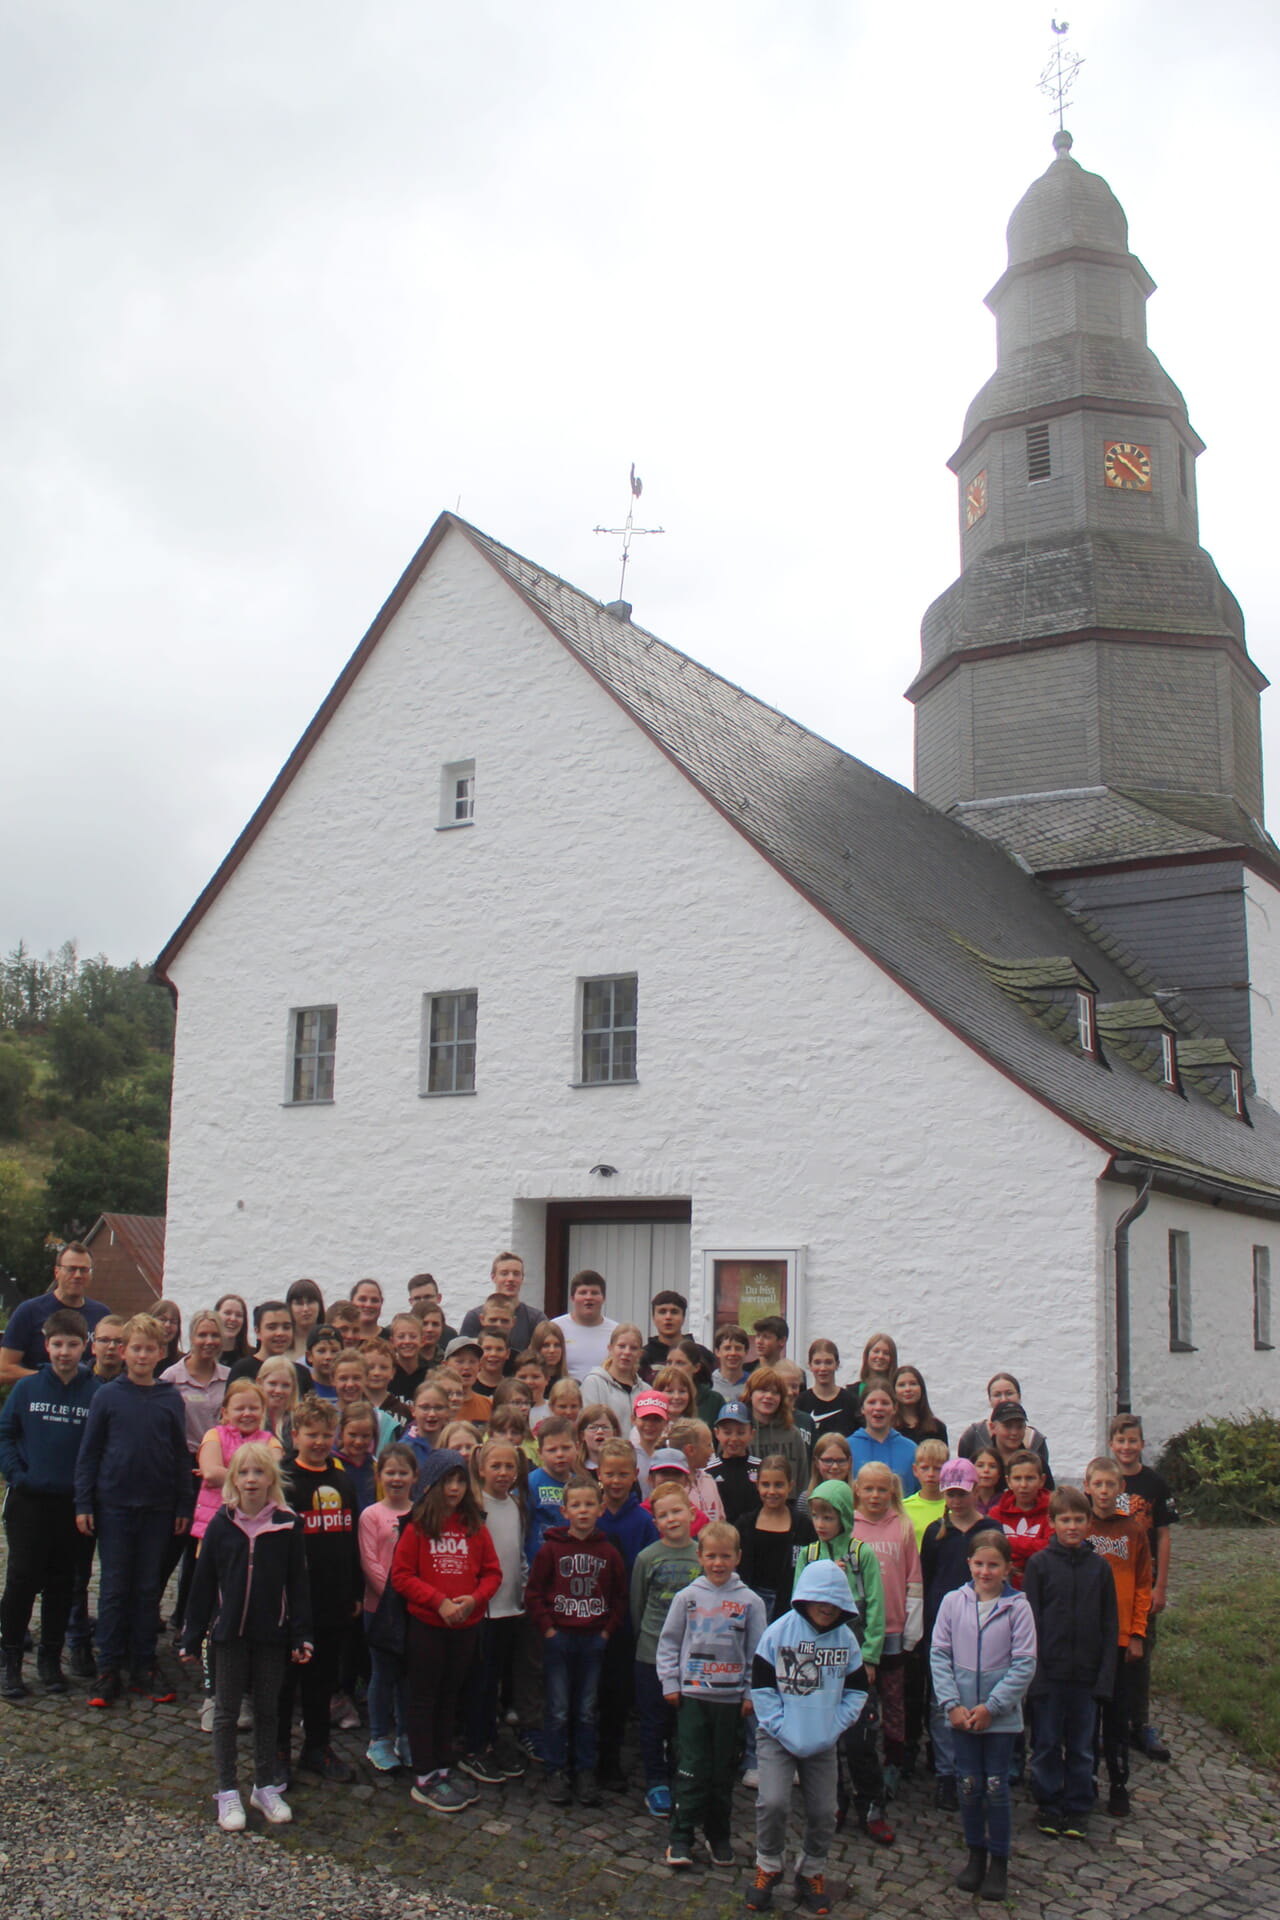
<point x="1022" y="1513"/>
<point x="1122" y="1541"/>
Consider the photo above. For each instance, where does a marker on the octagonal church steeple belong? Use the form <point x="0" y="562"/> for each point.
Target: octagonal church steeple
<point x="1089" y="647"/>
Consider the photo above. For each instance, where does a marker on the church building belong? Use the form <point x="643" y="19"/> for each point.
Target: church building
<point x="547" y="937"/>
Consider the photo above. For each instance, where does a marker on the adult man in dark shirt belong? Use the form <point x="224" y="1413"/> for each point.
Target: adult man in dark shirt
<point x="23" y="1350"/>
<point x="273" y="1324"/>
<point x="507" y="1277"/>
<point x="424" y="1292"/>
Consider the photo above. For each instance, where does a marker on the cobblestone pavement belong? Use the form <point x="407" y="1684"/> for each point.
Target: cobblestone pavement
<point x="1203" y="1840"/>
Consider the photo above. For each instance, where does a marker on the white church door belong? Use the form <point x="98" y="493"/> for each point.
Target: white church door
<point x="638" y="1258"/>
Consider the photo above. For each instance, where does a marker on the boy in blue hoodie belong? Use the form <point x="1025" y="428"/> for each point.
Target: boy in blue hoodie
<point x="805" y="1698"/>
<point x="623" y="1522"/>
<point x="41" y="1425"/>
<point x="134" y="1490"/>
<point x="705" y="1651"/>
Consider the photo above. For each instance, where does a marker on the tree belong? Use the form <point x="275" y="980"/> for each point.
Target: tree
<point x="120" y="1173"/>
<point x="16" y="1076"/>
<point x="22" y="1251"/>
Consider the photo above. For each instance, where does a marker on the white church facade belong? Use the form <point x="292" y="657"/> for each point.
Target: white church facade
<point x="547" y="937"/>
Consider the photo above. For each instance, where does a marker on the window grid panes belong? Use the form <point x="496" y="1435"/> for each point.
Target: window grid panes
<point x="1179" y="1291"/>
<point x="1262" y="1299"/>
<point x="464" y="797"/>
<point x="608" y="1030"/>
<point x="451" y="1043"/>
<point x="315" y="1036"/>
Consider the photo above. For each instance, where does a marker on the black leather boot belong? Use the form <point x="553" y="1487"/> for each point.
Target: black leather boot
<point x="970" y="1877"/>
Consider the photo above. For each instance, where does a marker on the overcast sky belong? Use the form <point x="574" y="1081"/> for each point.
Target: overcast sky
<point x="284" y="278"/>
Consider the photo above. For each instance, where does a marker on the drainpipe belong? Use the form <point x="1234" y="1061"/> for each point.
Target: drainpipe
<point x="1124" y="1384"/>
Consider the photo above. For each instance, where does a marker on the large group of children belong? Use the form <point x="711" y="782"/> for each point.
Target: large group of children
<point x="511" y="1541"/>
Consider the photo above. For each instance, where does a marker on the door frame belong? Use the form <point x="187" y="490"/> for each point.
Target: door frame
<point x="563" y="1214"/>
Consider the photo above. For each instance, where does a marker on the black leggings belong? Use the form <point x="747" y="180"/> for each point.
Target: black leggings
<point x="440" y="1660"/>
<point x="247" y="1666"/>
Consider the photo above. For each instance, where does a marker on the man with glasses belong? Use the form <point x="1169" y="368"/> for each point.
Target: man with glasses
<point x="23" y="1350"/>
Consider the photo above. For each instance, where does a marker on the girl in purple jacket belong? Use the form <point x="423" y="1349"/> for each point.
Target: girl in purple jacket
<point x="983" y="1659"/>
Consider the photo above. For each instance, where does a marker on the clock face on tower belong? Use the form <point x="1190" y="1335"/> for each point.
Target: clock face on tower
<point x="975" y="499"/>
<point x="1126" y="465"/>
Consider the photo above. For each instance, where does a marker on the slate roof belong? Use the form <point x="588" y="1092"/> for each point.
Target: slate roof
<point x="930" y="902"/>
<point x="1096" y="825"/>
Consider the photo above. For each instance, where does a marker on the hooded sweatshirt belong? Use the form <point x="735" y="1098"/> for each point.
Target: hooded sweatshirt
<point x="1073" y="1597"/>
<point x="134" y="1451"/>
<point x="630" y="1529"/>
<point x="1027" y="1529"/>
<point x="984" y="1659"/>
<point x="893" y="1541"/>
<point x="860" y="1566"/>
<point x="576" y="1586"/>
<point x="709" y="1640"/>
<point x="427" y="1570"/>
<point x="41" y="1426"/>
<point x="802" y="1677"/>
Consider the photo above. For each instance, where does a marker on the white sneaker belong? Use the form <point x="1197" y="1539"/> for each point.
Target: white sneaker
<point x="230" y="1812"/>
<point x="244" y="1719"/>
<point x="206" y="1715"/>
<point x="344" y="1712"/>
<point x="272" y="1805"/>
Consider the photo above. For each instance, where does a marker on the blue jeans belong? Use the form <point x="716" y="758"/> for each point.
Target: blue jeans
<point x="982" y="1766"/>
<point x="387" y="1693"/>
<point x="571" y="1667"/>
<point x="132" y="1542"/>
<point x="1064" y="1723"/>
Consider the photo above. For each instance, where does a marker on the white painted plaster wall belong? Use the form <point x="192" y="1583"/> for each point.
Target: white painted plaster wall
<point x="1262" y="932"/>
<point x="1224" y="1374"/>
<point x="786" y="1085"/>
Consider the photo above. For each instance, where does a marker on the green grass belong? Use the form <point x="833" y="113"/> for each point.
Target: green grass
<point x="1219" y="1653"/>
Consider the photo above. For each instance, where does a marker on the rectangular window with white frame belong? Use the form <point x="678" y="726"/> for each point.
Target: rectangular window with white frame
<point x="458" y="794"/>
<point x="1180" y="1291"/>
<point x="607" y="1030"/>
<point x="1262" y="1300"/>
<point x="313" y="1041"/>
<point x="449" y="1042"/>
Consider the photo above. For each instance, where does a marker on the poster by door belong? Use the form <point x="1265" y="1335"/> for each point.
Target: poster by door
<point x="749" y="1290"/>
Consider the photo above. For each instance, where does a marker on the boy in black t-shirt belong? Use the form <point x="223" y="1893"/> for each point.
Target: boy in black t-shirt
<point x="1147" y="1496"/>
<point x="318" y="1487"/>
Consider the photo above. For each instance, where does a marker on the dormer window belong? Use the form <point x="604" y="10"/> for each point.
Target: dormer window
<point x="1169" y="1060"/>
<point x="1235" y="1084"/>
<point x="1086" y="1023"/>
<point x="1039" y="466"/>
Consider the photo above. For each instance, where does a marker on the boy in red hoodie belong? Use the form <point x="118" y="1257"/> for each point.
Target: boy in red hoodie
<point x="577" y="1599"/>
<point x="1023" y="1511"/>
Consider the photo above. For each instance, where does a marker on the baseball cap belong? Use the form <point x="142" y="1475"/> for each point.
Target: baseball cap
<point x="1009" y="1410"/>
<point x="958" y="1473"/>
<point x="734" y="1410"/>
<point x="669" y="1457"/>
<point x="647" y="1403"/>
<point x="463" y="1344"/>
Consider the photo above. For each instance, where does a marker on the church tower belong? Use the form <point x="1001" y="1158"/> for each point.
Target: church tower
<point x="1085" y="694"/>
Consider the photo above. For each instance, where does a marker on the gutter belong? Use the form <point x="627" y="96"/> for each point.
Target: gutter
<point x="1124" y="1381"/>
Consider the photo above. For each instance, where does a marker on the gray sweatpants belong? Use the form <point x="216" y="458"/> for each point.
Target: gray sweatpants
<point x="773" y="1804"/>
<point x="246" y="1667"/>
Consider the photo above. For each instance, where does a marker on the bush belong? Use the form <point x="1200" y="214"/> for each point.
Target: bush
<point x="1227" y="1470"/>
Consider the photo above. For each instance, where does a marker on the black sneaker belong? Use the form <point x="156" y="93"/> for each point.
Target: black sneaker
<point x="557" y="1788"/>
<point x="1049" y="1821"/>
<point x="483" y="1767"/>
<point x="325" y="1762"/>
<point x="760" y="1892"/>
<point x="721" y="1853"/>
<point x="105" y="1690"/>
<point x="946" y="1794"/>
<point x="1147" y="1741"/>
<point x="611" y="1778"/>
<point x="1075" y="1826"/>
<point x="81" y="1661"/>
<point x="586" y="1791"/>
<point x="152" y="1685"/>
<point x="509" y="1757"/>
<point x="1118" y="1802"/>
<point x="49" y="1668"/>
<point x="12" y="1684"/>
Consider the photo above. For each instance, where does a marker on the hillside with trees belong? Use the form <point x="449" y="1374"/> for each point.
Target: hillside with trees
<point x="86" y="1061"/>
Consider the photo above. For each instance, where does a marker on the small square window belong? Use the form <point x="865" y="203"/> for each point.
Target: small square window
<point x="608" y="1030"/>
<point x="1262" y="1299"/>
<point x="1180" y="1292"/>
<point x="1039" y="465"/>
<point x="449" y="1042"/>
<point x="458" y="794"/>
<point x="314" y="1038"/>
